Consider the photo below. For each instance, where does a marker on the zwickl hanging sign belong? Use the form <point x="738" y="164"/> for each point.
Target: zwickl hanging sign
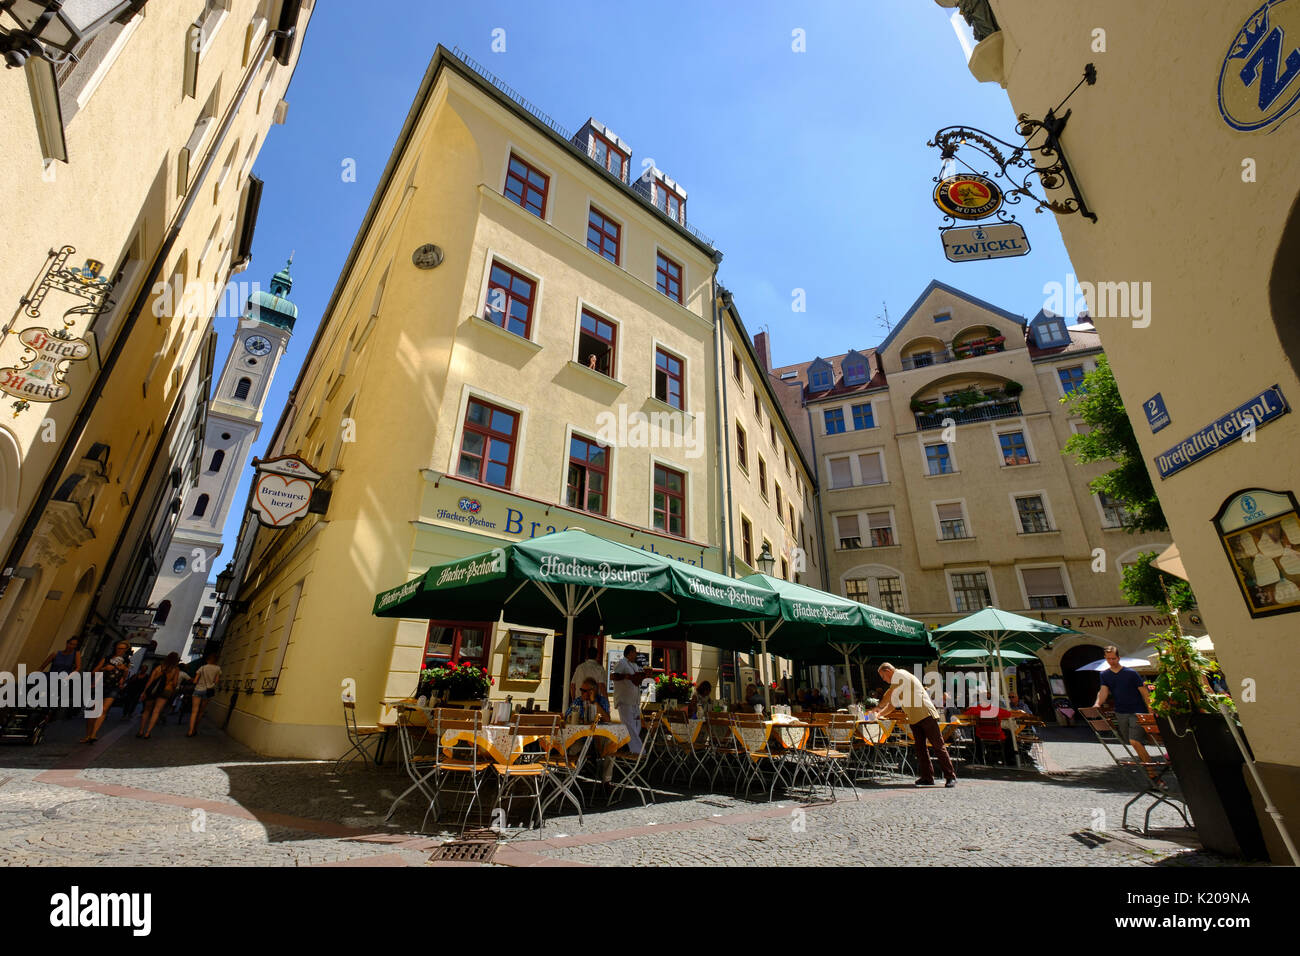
<point x="968" y="196"/>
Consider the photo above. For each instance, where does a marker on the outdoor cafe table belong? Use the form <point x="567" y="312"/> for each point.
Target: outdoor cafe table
<point x="610" y="737"/>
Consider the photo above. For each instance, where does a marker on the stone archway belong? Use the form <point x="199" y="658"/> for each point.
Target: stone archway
<point x="1081" y="687"/>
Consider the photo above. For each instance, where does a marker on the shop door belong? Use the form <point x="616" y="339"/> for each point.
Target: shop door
<point x="1081" y="686"/>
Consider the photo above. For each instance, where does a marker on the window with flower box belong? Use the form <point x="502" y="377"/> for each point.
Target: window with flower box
<point x="449" y="642"/>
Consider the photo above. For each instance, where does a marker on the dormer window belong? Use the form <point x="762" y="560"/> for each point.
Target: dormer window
<point x="820" y="376"/>
<point x="609" y="156"/>
<point x="855" y="369"/>
<point x="669" y="202"/>
<point x="1051" y="333"/>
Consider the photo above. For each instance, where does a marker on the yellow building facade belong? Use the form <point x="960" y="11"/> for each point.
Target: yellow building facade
<point x="130" y="205"/>
<point x="1215" y="327"/>
<point x="943" y="486"/>
<point x="523" y="339"/>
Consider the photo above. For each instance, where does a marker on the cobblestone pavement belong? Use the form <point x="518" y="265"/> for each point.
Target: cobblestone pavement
<point x="207" y="800"/>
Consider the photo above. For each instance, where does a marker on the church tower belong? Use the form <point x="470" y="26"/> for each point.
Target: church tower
<point x="234" y="421"/>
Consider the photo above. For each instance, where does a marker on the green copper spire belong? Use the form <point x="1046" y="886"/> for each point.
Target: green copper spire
<point x="274" y="307"/>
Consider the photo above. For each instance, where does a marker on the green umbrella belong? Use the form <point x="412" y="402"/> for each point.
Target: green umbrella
<point x="812" y="622"/>
<point x="573" y="578"/>
<point x="995" y="632"/>
<point x="981" y="655"/>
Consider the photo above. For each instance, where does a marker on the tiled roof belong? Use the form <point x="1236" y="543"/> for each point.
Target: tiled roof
<point x="838" y="389"/>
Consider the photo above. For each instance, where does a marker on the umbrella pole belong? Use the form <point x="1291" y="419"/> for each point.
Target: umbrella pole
<point x="848" y="674"/>
<point x="568" y="644"/>
<point x="765" y="663"/>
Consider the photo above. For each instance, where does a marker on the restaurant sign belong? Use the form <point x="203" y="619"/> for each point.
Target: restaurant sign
<point x="968" y="196"/>
<point x="499" y="515"/>
<point x="39" y="374"/>
<point x="282" y="490"/>
<point x="1260" y="534"/>
<point x="1225" y="430"/>
<point x="1001" y="240"/>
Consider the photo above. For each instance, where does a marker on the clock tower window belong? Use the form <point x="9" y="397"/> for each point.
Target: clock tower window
<point x="242" y="388"/>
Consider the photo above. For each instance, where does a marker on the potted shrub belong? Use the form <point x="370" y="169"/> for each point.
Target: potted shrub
<point x="449" y="681"/>
<point x="1013" y="389"/>
<point x="1202" y="748"/>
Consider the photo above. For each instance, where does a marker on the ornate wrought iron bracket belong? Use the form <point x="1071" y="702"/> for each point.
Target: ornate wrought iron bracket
<point x="1018" y="165"/>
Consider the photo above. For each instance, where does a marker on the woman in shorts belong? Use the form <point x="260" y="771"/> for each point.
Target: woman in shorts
<point x="206" y="680"/>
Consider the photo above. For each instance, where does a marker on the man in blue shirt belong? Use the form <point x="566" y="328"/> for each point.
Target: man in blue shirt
<point x="1129" y="690"/>
<point x="589" y="693"/>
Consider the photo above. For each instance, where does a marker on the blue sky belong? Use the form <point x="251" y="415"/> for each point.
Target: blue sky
<point x="809" y="170"/>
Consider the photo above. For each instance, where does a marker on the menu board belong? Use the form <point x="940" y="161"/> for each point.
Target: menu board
<point x="524" y="662"/>
<point x="1260" y="533"/>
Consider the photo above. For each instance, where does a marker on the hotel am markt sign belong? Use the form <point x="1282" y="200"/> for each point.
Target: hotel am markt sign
<point x="1225" y="430"/>
<point x="282" y="490"/>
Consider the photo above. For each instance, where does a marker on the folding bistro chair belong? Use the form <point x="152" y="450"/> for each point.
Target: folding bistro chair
<point x="526" y="768"/>
<point x="898" y="745"/>
<point x="364" y="738"/>
<point x="678" y="747"/>
<point x="1147" y="775"/>
<point x="631" y="767"/>
<point x="458" y="758"/>
<point x="869" y="754"/>
<point x="832" y="758"/>
<point x="990" y="736"/>
<point x="724" y="754"/>
<point x="413" y="729"/>
<point x="563" y="769"/>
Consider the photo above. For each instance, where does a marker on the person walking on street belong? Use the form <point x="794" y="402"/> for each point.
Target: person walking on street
<point x="206" y="680"/>
<point x="907" y="694"/>
<point x="116" y="668"/>
<point x="162" y="685"/>
<point x="1131" y="698"/>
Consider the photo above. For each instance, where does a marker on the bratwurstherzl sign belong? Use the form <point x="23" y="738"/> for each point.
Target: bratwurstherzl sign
<point x="282" y="490"/>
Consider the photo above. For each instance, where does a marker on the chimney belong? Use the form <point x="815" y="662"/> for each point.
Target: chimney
<point x="760" y="346"/>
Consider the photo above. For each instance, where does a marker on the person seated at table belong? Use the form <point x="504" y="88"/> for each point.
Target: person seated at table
<point x="815" y="700"/>
<point x="589" y="693"/>
<point x="949" y="711"/>
<point x="801" y="698"/>
<point x="1015" y="703"/>
<point x="753" y="696"/>
<point x="590" y="667"/>
<point x="702" y="699"/>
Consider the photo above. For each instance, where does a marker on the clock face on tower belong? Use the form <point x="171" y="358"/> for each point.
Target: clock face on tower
<point x="257" y="344"/>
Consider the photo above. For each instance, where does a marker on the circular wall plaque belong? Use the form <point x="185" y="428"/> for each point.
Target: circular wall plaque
<point x="427" y="256"/>
<point x="968" y="196"/>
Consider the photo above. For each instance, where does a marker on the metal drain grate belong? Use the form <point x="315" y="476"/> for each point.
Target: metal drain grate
<point x="477" y="846"/>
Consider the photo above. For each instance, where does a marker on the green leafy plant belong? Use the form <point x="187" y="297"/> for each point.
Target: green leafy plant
<point x="1012" y="389"/>
<point x="1182" y="684"/>
<point x="1111" y="438"/>
<point x="1145" y="584"/>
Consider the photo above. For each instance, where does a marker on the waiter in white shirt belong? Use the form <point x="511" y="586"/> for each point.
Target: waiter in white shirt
<point x="628" y="676"/>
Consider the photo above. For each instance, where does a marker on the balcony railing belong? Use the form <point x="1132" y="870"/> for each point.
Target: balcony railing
<point x="926" y="359"/>
<point x="967" y="416"/>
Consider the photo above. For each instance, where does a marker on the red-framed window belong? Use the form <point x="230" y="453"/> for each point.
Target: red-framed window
<point x="668" y="202"/>
<point x="670" y="501"/>
<point x="747" y="541"/>
<point x="670" y="387"/>
<point x="527" y="186"/>
<point x="668" y="277"/>
<point x="588" y="479"/>
<point x="609" y="156"/>
<point x="597" y="343"/>
<point x="510" y="300"/>
<point x="762" y="477"/>
<point x="603" y="234"/>
<point x="742" y="450"/>
<point x="669" y="656"/>
<point x="458" y="643"/>
<point x="487" y="447"/>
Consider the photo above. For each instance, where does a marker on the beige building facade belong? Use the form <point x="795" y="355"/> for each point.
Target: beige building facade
<point x="131" y="203"/>
<point x="523" y="339"/>
<point x="943" y="486"/>
<point x="1219" y="281"/>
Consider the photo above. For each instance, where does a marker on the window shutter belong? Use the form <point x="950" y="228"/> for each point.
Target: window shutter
<point x="847" y="526"/>
<point x="1043" y="582"/>
<point x="873" y="472"/>
<point x="950" y="512"/>
<point x="878" y="519"/>
<point x="841" y="474"/>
